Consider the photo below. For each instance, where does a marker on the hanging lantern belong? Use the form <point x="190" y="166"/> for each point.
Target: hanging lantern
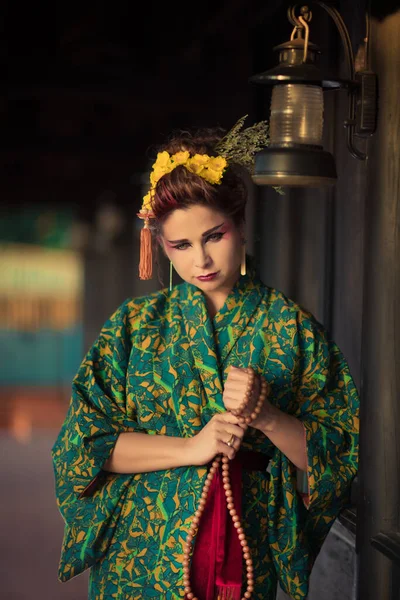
<point x="295" y="155"/>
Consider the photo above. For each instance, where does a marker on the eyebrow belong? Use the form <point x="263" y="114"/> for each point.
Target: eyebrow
<point x="203" y="235"/>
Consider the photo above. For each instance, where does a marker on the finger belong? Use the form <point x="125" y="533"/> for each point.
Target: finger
<point x="230" y="438"/>
<point x="238" y="373"/>
<point x="228" y="451"/>
<point x="233" y="430"/>
<point x="226" y="417"/>
<point x="236" y="383"/>
<point x="230" y="404"/>
<point x="239" y="386"/>
<point x="235" y="389"/>
<point x="237" y="380"/>
<point x="235" y="395"/>
<point x="235" y="442"/>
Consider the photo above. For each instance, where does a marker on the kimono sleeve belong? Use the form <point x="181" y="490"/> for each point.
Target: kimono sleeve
<point x="90" y="499"/>
<point x="328" y="406"/>
<point x="323" y="396"/>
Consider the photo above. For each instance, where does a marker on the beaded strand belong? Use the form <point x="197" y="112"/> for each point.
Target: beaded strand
<point x="187" y="551"/>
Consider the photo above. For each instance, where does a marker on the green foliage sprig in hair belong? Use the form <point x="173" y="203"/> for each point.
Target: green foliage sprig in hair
<point x="240" y="145"/>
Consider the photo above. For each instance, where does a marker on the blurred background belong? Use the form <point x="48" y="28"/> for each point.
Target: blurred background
<point x="88" y="90"/>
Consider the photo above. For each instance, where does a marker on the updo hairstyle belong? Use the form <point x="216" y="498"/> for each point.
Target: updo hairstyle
<point x="181" y="189"/>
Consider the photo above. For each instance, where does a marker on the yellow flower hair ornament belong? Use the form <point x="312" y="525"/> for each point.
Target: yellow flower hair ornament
<point x="210" y="168"/>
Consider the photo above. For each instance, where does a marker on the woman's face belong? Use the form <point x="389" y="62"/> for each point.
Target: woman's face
<point x="203" y="242"/>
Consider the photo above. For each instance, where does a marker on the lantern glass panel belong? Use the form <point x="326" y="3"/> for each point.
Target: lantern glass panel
<point x="296" y="115"/>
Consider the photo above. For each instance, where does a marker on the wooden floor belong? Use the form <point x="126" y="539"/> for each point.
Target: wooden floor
<point x="31" y="526"/>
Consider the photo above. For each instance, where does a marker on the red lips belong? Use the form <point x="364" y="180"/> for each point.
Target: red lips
<point x="208" y="277"/>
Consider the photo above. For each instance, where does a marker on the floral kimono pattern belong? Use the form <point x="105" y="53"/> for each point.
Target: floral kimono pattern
<point x="159" y="367"/>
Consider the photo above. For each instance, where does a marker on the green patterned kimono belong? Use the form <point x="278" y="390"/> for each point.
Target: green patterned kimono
<point x="159" y="367"/>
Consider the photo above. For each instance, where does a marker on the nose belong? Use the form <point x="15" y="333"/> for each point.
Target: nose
<point x="202" y="259"/>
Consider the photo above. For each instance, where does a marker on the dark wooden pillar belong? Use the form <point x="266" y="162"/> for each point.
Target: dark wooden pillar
<point x="378" y="539"/>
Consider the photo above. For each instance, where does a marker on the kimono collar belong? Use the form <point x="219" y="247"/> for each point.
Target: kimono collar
<point x="211" y="340"/>
<point x="245" y="293"/>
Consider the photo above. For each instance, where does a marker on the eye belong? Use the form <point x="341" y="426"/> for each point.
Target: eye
<point x="215" y="237"/>
<point x="182" y="246"/>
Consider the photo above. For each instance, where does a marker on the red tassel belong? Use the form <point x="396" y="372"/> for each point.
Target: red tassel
<point x="146" y="257"/>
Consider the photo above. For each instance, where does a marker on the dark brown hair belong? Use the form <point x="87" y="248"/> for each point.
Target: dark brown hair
<point x="181" y="188"/>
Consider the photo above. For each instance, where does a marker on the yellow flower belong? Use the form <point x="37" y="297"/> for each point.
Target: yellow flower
<point x="156" y="175"/>
<point x="195" y="168"/>
<point x="160" y="167"/>
<point x="163" y="160"/>
<point x="212" y="176"/>
<point x="180" y="158"/>
<point x="214" y="167"/>
<point x="217" y="163"/>
<point x="197" y="163"/>
<point x="199" y="160"/>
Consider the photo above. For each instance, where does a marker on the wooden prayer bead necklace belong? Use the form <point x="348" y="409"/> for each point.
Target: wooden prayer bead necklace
<point x="187" y="551"/>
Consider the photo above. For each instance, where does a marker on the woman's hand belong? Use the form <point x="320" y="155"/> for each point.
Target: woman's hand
<point x="236" y="387"/>
<point x="214" y="437"/>
<point x="234" y="394"/>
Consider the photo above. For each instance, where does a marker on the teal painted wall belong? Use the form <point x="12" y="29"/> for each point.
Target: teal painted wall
<point x="46" y="357"/>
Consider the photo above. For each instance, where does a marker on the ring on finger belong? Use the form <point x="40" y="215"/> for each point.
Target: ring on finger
<point x="230" y="441"/>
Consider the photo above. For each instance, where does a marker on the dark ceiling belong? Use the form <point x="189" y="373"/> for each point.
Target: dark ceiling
<point x="89" y="88"/>
<point x="120" y="39"/>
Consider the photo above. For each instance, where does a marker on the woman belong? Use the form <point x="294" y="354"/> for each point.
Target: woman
<point x="176" y="467"/>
